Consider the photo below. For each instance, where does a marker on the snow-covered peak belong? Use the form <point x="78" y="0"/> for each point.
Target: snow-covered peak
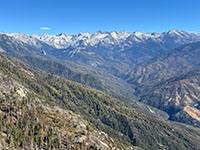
<point x="173" y="31"/>
<point x="153" y="35"/>
<point x="87" y="34"/>
<point x="100" y="34"/>
<point x="36" y="36"/>
<point x="140" y="37"/>
<point x="138" y="33"/>
<point x="62" y="35"/>
<point x="119" y="36"/>
<point x="176" y="33"/>
<point x="179" y="35"/>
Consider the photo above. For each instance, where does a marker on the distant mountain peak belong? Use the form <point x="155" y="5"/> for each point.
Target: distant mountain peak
<point x="174" y="31"/>
<point x="62" y="34"/>
<point x="138" y="33"/>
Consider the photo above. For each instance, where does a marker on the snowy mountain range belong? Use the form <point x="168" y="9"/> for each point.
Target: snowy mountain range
<point x="121" y="40"/>
<point x="112" y="51"/>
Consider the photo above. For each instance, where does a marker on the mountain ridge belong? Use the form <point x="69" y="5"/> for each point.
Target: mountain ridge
<point x="170" y="82"/>
<point x="178" y="96"/>
<point x="112" y="116"/>
<point x="166" y="65"/>
<point x="109" y="38"/>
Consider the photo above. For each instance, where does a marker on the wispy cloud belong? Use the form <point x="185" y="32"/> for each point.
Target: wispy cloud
<point x="45" y="28"/>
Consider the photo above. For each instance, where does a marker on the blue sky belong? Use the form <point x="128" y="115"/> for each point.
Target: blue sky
<point x="74" y="16"/>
